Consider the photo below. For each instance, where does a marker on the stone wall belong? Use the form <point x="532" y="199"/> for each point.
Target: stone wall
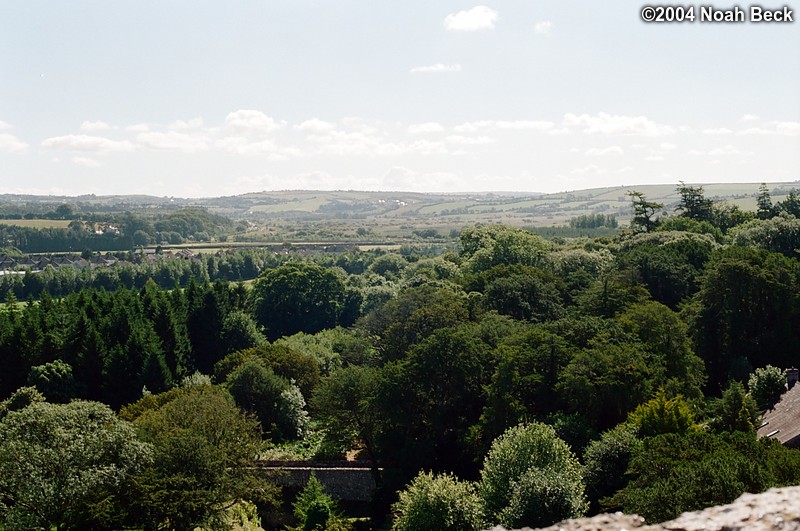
<point x="345" y="483"/>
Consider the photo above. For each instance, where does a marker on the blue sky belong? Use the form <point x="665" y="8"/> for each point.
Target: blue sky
<point x="201" y="98"/>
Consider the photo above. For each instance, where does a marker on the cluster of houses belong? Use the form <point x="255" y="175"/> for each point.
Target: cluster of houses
<point x="10" y="265"/>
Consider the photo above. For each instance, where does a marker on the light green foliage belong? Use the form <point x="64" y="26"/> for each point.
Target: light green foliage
<point x="195" y="379"/>
<point x="690" y="225"/>
<point x="570" y="261"/>
<point x="151" y="402"/>
<point x="292" y="412"/>
<point x="54" y="380"/>
<point x="333" y="348"/>
<point x="438" y="502"/>
<point x="766" y="385"/>
<point x="283" y="360"/>
<point x="239" y="332"/>
<point x="66" y="466"/>
<point x="243" y="516"/>
<point x="606" y="463"/>
<point x="780" y="234"/>
<point x="735" y="411"/>
<point x="492" y="245"/>
<point x="433" y="269"/>
<point x="726" y="216"/>
<point x="663" y="415"/>
<point x="543" y="497"/>
<point x="316" y="510"/>
<point x="523" y="451"/>
<point x="667" y="238"/>
<point x="22" y="397"/>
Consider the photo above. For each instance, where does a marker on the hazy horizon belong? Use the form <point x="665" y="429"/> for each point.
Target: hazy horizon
<point x="200" y="99"/>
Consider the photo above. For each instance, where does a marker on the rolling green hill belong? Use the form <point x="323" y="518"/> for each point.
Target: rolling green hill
<point x="299" y="214"/>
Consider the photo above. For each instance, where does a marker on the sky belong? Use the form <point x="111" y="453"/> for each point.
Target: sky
<point x="199" y="98"/>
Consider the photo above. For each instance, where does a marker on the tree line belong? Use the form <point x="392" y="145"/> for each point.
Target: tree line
<point x="516" y="381"/>
<point x="115" y="232"/>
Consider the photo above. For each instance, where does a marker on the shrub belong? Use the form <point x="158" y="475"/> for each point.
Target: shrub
<point x="766" y="386"/>
<point x="507" y="491"/>
<point x="440" y="502"/>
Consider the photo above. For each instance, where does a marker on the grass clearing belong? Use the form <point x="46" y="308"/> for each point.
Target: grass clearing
<point x="37" y="223"/>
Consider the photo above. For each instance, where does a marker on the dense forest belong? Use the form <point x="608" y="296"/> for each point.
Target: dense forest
<point x="516" y="380"/>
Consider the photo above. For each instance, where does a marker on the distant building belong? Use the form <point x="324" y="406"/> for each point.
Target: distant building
<point x="782" y="422"/>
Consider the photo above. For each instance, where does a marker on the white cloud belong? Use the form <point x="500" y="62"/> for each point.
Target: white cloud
<point x="436" y="68"/>
<point x="316" y="125"/>
<point x="4" y="125"/>
<point x="243" y="146"/>
<point x="610" y="124"/>
<point x="172" y="141"/>
<point x="775" y="128"/>
<point x="727" y="150"/>
<point x="788" y="128"/>
<point x="482" y="125"/>
<point x="366" y="141"/>
<point x="87" y="143"/>
<point x="758" y="131"/>
<point x="717" y="132"/>
<point x="182" y="125"/>
<point x="477" y="18"/>
<point x="425" y="128"/>
<point x="85" y="161"/>
<point x="748" y="118"/>
<point x="469" y="140"/>
<point x="589" y="170"/>
<point x="427" y="147"/>
<point x="402" y="178"/>
<point x="601" y="152"/>
<point x="11" y="144"/>
<point x="138" y="128"/>
<point x="543" y="27"/>
<point x="666" y="146"/>
<point x="95" y="126"/>
<point x="252" y="121"/>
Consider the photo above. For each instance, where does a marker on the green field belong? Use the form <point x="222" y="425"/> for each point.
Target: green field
<point x="37" y="223"/>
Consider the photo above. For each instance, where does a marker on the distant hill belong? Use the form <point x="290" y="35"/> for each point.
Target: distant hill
<point x="407" y="208"/>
